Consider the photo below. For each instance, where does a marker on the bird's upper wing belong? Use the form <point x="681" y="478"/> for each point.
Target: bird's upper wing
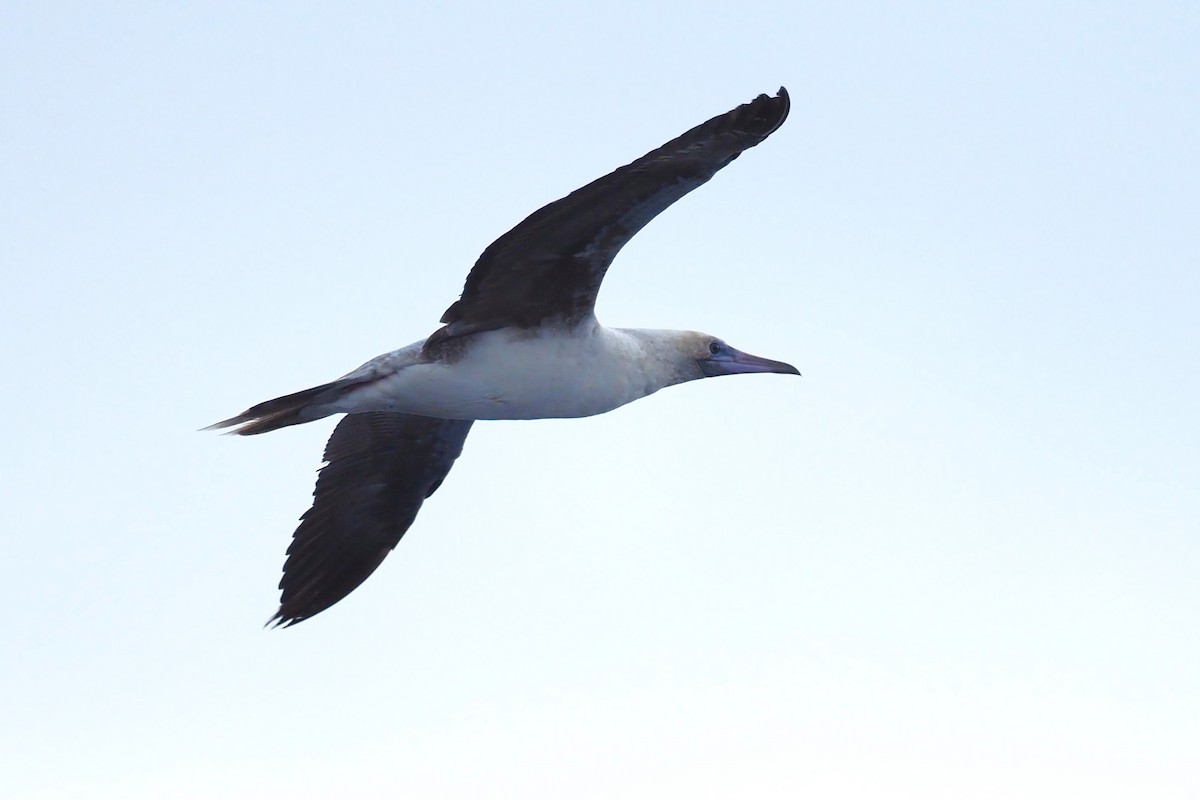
<point x="381" y="467"/>
<point x="550" y="265"/>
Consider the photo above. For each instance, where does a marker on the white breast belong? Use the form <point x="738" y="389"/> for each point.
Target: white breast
<point x="509" y="374"/>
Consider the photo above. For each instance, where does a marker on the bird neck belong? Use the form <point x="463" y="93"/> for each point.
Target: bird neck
<point x="661" y="355"/>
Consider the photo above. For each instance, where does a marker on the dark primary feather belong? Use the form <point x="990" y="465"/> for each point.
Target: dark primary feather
<point x="550" y="265"/>
<point x="381" y="467"/>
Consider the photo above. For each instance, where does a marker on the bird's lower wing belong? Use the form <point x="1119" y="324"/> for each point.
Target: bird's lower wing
<point x="381" y="467"/>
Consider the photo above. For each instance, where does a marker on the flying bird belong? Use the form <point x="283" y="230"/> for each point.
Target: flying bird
<point x="522" y="342"/>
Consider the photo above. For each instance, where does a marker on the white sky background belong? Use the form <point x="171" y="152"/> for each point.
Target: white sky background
<point x="958" y="558"/>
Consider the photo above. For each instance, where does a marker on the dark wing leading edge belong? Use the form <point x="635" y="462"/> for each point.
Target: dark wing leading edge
<point x="550" y="265"/>
<point x="381" y="467"/>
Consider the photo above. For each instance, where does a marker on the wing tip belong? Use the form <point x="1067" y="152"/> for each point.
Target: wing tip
<point x="281" y="620"/>
<point x="773" y="110"/>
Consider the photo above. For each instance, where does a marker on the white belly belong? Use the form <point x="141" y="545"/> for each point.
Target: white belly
<point x="513" y="375"/>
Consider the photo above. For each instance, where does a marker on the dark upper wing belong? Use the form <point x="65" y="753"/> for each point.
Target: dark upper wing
<point x="381" y="468"/>
<point x="551" y="265"/>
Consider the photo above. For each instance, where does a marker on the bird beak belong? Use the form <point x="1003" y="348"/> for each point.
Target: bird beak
<point x="734" y="362"/>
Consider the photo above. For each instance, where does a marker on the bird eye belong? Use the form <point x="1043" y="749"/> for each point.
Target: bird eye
<point x="714" y="347"/>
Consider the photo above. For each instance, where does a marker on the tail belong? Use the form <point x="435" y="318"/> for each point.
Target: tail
<point x="291" y="409"/>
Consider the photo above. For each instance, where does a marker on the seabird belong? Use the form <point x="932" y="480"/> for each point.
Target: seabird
<point x="522" y="342"/>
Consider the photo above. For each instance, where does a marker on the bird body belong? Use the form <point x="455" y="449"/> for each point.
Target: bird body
<point x="522" y="342"/>
<point x="523" y="374"/>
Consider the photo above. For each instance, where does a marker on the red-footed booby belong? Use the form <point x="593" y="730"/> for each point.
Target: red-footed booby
<point x="522" y="342"/>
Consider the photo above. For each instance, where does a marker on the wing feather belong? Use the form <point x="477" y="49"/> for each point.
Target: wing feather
<point x="381" y="467"/>
<point x="550" y="266"/>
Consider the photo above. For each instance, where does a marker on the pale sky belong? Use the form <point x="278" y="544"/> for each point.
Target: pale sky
<point x="959" y="558"/>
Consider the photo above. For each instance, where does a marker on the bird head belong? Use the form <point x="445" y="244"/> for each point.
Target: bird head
<point x="714" y="357"/>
